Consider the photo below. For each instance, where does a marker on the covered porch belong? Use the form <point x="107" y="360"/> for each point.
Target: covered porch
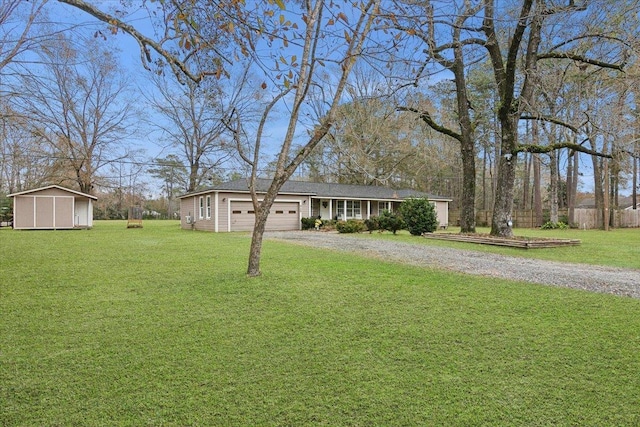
<point x="345" y="208"/>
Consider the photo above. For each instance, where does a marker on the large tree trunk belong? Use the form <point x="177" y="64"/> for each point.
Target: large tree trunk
<point x="501" y="222"/>
<point x="598" y="192"/>
<point x="605" y="192"/>
<point x="572" y="176"/>
<point x="537" y="190"/>
<point x="193" y="177"/>
<point x="262" y="212"/>
<point x="553" y="190"/>
<point x="468" y="211"/>
<point x="485" y="192"/>
<point x="262" y="209"/>
<point x="634" y="193"/>
<point x="526" y="197"/>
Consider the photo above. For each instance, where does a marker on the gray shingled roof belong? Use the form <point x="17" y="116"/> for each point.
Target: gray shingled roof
<point x="325" y="190"/>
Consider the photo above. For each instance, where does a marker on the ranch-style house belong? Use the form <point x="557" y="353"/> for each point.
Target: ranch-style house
<point x="227" y="206"/>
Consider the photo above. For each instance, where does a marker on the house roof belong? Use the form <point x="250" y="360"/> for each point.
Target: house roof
<point x="35" y="190"/>
<point x="624" y="202"/>
<point x="323" y="190"/>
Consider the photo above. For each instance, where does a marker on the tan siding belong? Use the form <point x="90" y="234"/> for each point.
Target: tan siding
<point x="223" y="210"/>
<point x="44" y="212"/>
<point x="52" y="208"/>
<point x="24" y="212"/>
<point x="205" y="224"/>
<point x="186" y="209"/>
<point x="83" y="211"/>
<point x="189" y="206"/>
<point x="285" y="214"/>
<point x="442" y="212"/>
<point x="53" y="192"/>
<point x="64" y="217"/>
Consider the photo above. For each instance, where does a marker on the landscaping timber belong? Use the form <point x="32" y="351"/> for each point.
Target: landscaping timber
<point x="515" y="242"/>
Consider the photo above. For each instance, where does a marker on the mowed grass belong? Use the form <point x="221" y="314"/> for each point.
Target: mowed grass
<point x="160" y="326"/>
<point x="615" y="248"/>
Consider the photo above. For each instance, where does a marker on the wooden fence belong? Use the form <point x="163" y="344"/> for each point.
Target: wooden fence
<point x="583" y="218"/>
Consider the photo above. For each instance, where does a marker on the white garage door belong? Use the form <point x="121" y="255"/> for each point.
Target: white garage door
<point x="283" y="216"/>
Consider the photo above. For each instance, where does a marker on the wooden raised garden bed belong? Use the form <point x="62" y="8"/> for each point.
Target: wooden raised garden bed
<point x="515" y="242"/>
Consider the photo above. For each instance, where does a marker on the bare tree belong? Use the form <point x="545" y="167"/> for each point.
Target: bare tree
<point x="191" y="123"/>
<point x="515" y="37"/>
<point x="23" y="164"/>
<point x="370" y="143"/>
<point x="449" y="50"/>
<point x="17" y="19"/>
<point x="327" y="37"/>
<point x="306" y="55"/>
<point x="171" y="172"/>
<point x="75" y="100"/>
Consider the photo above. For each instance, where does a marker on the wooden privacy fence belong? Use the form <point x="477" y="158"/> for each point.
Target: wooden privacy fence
<point x="583" y="218"/>
<point x="626" y="218"/>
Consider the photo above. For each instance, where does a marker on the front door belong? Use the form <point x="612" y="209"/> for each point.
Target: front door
<point x="325" y="208"/>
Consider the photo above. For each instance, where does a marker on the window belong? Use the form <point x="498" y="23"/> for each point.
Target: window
<point x="383" y="206"/>
<point x="353" y="209"/>
<point x="208" y="207"/>
<point x="201" y="210"/>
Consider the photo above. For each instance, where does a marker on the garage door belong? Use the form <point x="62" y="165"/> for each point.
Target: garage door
<point x="283" y="216"/>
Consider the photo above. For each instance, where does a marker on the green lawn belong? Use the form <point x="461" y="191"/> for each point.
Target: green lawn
<point x="160" y="326"/>
<point x="615" y="248"/>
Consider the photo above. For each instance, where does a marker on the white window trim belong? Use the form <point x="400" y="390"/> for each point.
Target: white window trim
<point x="208" y="207"/>
<point x="351" y="213"/>
<point x="387" y="207"/>
<point x="201" y="207"/>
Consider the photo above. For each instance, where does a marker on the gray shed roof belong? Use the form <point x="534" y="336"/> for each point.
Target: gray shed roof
<point x="323" y="190"/>
<point x="35" y="190"/>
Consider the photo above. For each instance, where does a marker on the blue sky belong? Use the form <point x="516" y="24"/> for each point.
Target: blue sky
<point x="131" y="63"/>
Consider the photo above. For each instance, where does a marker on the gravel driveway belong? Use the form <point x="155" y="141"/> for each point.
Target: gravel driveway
<point x="617" y="281"/>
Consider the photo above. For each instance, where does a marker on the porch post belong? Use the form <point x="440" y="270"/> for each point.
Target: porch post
<point x="215" y="211"/>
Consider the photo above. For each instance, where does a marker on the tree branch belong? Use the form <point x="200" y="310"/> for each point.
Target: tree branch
<point x="580" y="58"/>
<point x="426" y="117"/>
<point x="532" y="148"/>
<point x="551" y="120"/>
<point x="143" y="41"/>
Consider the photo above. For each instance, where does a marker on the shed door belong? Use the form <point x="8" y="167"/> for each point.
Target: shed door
<point x="44" y="212"/>
<point x="64" y="212"/>
<point x="283" y="216"/>
<point x="54" y="212"/>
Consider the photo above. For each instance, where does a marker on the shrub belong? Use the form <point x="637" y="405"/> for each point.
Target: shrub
<point x="350" y="226"/>
<point x="329" y="224"/>
<point x="308" y="223"/>
<point x="419" y="216"/>
<point x="372" y="224"/>
<point x="554" y="225"/>
<point x="391" y="222"/>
